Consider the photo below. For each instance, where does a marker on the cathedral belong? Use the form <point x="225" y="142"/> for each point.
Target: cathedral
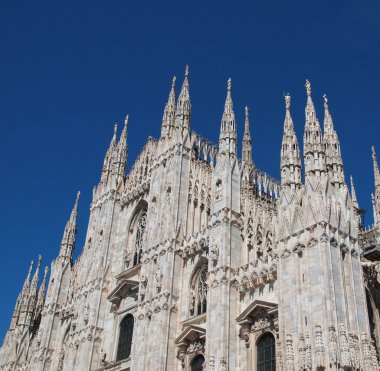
<point x="196" y="259"/>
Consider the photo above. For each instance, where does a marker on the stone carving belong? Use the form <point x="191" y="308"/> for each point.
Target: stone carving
<point x="354" y="356"/>
<point x="332" y="346"/>
<point x="212" y="362"/>
<point x="319" y="347"/>
<point x="308" y="355"/>
<point x="344" y="347"/>
<point x="61" y="358"/>
<point x="223" y="364"/>
<point x="214" y="254"/>
<point x="86" y="314"/>
<point x="279" y="356"/>
<point x="289" y="358"/>
<point x="367" y="352"/>
<point x="158" y="277"/>
<point x="301" y="353"/>
<point x="143" y="285"/>
<point x="269" y="236"/>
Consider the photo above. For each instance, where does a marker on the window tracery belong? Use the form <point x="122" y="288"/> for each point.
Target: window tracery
<point x="198" y="300"/>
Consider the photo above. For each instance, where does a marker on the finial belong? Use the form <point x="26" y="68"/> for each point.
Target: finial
<point x="308" y="88"/>
<point x="374" y="153"/>
<point x="186" y="71"/>
<point x="30" y="267"/>
<point x="229" y="84"/>
<point x="173" y="82"/>
<point x="39" y="261"/>
<point x="246" y="111"/>
<point x="115" y="128"/>
<point x="77" y="199"/>
<point x="126" y="120"/>
<point x="46" y="271"/>
<point x="287" y="100"/>
<point x="325" y="101"/>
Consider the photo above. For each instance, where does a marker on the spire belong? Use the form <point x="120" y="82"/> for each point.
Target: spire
<point x="168" y="119"/>
<point x="183" y="111"/>
<point x="314" y="154"/>
<point x="36" y="277"/>
<point x="247" y="141"/>
<point x="122" y="153"/>
<point x="375" y="168"/>
<point x="17" y="318"/>
<point x="41" y="293"/>
<point x="334" y="163"/>
<point x="109" y="158"/>
<point x="227" y="139"/>
<point x="376" y="197"/>
<point x="290" y="152"/>
<point x="27" y="279"/>
<point x="69" y="235"/>
<point x="353" y="193"/>
<point x="27" y="296"/>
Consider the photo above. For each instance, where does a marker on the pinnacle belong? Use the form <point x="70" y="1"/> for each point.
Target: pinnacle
<point x="353" y="193"/>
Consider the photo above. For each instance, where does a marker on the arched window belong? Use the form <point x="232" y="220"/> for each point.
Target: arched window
<point x="139" y="240"/>
<point x="198" y="303"/>
<point x="125" y="337"/>
<point x="266" y="353"/>
<point x="197" y="363"/>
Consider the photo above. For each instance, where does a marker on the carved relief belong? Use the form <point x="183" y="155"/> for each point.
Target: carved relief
<point x="344" y="347"/>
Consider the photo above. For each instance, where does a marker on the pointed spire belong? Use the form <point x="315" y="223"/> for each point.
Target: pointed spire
<point x="376" y="197"/>
<point x="228" y="135"/>
<point x="183" y="110"/>
<point x="109" y="158"/>
<point x="27" y="279"/>
<point x="114" y="133"/>
<point x="375" y="168"/>
<point x="247" y="141"/>
<point x="353" y="193"/>
<point x="41" y="294"/>
<point x="168" y="119"/>
<point x="24" y="298"/>
<point x="314" y="153"/>
<point x="290" y="152"/>
<point x="36" y="276"/>
<point x="69" y="235"/>
<point x="121" y="153"/>
<point x="334" y="163"/>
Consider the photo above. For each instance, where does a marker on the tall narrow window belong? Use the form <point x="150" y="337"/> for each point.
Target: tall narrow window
<point x="140" y="234"/>
<point x="198" y="304"/>
<point x="197" y="363"/>
<point x="266" y="353"/>
<point x="125" y="338"/>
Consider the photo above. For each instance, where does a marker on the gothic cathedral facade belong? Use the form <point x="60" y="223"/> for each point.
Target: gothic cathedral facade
<point x="198" y="260"/>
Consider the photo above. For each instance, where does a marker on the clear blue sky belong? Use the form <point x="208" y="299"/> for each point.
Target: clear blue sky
<point x="69" y="70"/>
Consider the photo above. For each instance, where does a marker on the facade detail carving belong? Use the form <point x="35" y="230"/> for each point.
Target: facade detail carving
<point x="194" y="258"/>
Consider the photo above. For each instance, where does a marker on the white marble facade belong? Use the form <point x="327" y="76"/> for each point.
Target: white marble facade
<point x="198" y="260"/>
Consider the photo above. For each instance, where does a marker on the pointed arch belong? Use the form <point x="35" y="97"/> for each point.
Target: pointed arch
<point x="125" y="337"/>
<point x="199" y="289"/>
<point x="136" y="235"/>
<point x="266" y="352"/>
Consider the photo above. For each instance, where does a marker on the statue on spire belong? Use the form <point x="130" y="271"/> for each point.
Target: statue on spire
<point x="325" y="101"/>
<point x="308" y="88"/>
<point x="288" y="99"/>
